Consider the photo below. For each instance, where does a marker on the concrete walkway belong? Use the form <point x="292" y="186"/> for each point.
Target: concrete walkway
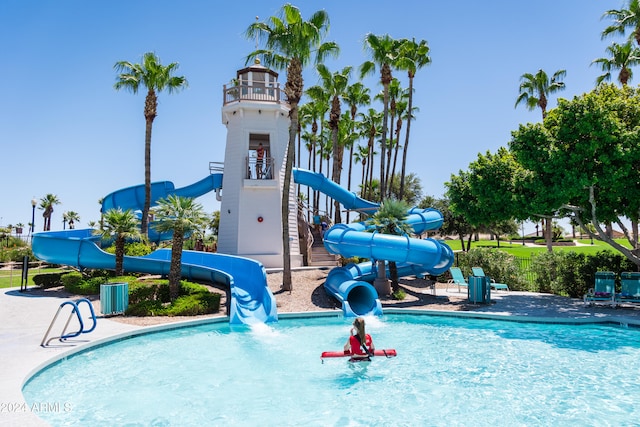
<point x="25" y="317"/>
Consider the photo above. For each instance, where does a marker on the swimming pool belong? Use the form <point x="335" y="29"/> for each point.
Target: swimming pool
<point x="449" y="371"/>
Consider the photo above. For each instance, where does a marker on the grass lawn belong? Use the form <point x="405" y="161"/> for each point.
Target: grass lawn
<point x="517" y="249"/>
<point x="12" y="278"/>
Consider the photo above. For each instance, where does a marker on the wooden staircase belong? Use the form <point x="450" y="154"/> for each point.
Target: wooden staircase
<point x="319" y="255"/>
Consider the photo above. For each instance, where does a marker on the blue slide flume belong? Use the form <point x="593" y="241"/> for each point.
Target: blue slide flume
<point x="251" y="300"/>
<point x="350" y="284"/>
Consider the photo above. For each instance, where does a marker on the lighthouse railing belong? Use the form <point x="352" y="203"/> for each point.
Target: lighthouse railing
<point x="246" y="92"/>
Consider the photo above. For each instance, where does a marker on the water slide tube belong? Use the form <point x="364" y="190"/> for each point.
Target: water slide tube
<point x="350" y="284"/>
<point x="251" y="300"/>
<point x="133" y="197"/>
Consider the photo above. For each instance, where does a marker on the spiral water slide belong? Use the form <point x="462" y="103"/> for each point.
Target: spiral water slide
<point x="251" y="301"/>
<point x="350" y="284"/>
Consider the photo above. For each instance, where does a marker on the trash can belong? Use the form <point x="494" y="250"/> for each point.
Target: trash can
<point x="479" y="289"/>
<point x="114" y="298"/>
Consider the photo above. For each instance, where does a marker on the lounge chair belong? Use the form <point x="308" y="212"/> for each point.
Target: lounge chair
<point x="457" y="278"/>
<point x="604" y="291"/>
<point x="478" y="271"/>
<point x="630" y="292"/>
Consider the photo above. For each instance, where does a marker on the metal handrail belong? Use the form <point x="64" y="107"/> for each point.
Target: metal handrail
<point x="74" y="310"/>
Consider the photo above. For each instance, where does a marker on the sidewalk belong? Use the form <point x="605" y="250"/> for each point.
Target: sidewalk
<point x="25" y="317"/>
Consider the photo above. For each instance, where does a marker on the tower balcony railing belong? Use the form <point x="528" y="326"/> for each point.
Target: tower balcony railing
<point x="259" y="169"/>
<point x="256" y="92"/>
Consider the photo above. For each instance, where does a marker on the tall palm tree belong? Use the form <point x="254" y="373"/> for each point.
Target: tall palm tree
<point x="623" y="19"/>
<point x="150" y="74"/>
<point x="622" y="57"/>
<point x="413" y="56"/>
<point x="320" y="106"/>
<point x="71" y="218"/>
<point x="46" y="205"/>
<point x="180" y="215"/>
<point x="390" y="219"/>
<point x="290" y="42"/>
<point x="371" y="123"/>
<point x="355" y="95"/>
<point x="384" y="51"/>
<point x="122" y="225"/>
<point x="335" y="84"/>
<point x="536" y="88"/>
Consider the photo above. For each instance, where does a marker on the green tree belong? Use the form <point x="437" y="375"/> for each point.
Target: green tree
<point x="371" y="123"/>
<point x="624" y="19"/>
<point x="46" y="205"/>
<point x="71" y="217"/>
<point x="290" y="42"/>
<point x="536" y="88"/>
<point x="587" y="155"/>
<point x="150" y="74"/>
<point x="413" y="56"/>
<point x="335" y="84"/>
<point x="390" y="219"/>
<point x="356" y="95"/>
<point x="180" y="215"/>
<point x="384" y="52"/>
<point x="621" y="57"/>
<point x="122" y="225"/>
<point x="485" y="195"/>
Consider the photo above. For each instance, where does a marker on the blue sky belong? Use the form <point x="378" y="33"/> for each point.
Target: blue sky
<point x="65" y="130"/>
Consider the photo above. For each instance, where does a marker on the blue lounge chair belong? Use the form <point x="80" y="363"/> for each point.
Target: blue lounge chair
<point x="604" y="291"/>
<point x="478" y="271"/>
<point x="630" y="292"/>
<point x="457" y="278"/>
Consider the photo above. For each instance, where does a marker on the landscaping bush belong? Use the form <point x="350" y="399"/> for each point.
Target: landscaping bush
<point x="48" y="280"/>
<point x="572" y="274"/>
<point x="75" y="283"/>
<point x="499" y="265"/>
<point x="152" y="299"/>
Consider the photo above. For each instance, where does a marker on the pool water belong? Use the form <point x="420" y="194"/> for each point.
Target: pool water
<point x="449" y="371"/>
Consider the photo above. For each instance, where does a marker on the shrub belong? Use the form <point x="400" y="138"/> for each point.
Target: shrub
<point x="572" y="274"/>
<point x="151" y="299"/>
<point x="75" y="283"/>
<point x="499" y="265"/>
<point x="48" y="280"/>
<point x="399" y="295"/>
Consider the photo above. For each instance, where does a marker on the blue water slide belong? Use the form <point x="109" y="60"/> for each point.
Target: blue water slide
<point x="350" y="284"/>
<point x="320" y="183"/>
<point x="251" y="300"/>
<point x="133" y="198"/>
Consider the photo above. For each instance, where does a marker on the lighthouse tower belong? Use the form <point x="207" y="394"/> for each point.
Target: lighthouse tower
<point x="257" y="119"/>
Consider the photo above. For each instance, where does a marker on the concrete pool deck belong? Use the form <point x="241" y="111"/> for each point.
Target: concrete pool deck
<point x="25" y="317"/>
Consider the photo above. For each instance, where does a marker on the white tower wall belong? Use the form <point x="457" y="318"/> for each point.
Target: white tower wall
<point x="250" y="214"/>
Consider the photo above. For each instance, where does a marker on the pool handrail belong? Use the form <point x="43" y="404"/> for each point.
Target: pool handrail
<point x="74" y="310"/>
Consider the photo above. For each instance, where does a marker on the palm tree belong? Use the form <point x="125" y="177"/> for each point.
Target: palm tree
<point x="152" y="75"/>
<point x="622" y="57"/>
<point x="390" y="219"/>
<point x="371" y="122"/>
<point x="536" y="88"/>
<point x="46" y="205"/>
<point x="413" y="56"/>
<point x="384" y="52"/>
<point x="180" y="215"/>
<point x="623" y="19"/>
<point x="355" y="96"/>
<point x="335" y="84"/>
<point x="123" y="225"/>
<point x="319" y="106"/>
<point x="290" y="43"/>
<point x="71" y="218"/>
